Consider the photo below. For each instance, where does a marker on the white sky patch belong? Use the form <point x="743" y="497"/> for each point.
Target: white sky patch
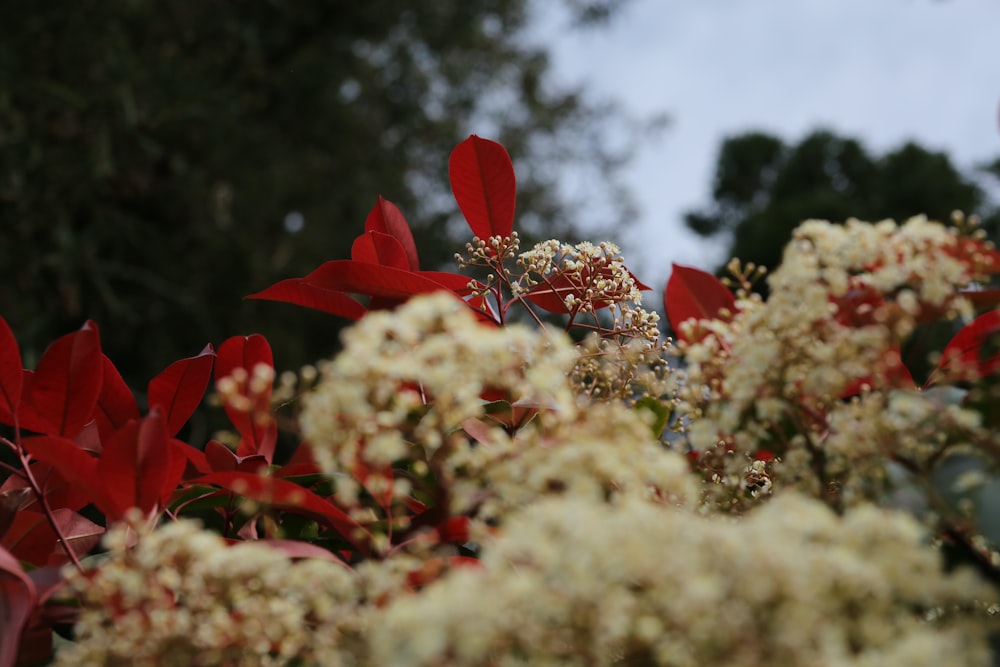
<point x="883" y="71"/>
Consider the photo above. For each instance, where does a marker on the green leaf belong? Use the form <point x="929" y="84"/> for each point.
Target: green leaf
<point x="661" y="413"/>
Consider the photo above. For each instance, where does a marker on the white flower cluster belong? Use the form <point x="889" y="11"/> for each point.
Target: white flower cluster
<point x="408" y="389"/>
<point x="184" y="597"/>
<point x="572" y="582"/>
<point x="589" y="278"/>
<point x="775" y="376"/>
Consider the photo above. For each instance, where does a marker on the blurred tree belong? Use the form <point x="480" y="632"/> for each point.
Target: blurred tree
<point x="764" y="188"/>
<point x="160" y="160"/>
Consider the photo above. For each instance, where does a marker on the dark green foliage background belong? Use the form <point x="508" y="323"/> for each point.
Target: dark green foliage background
<point x="150" y="151"/>
<point x="764" y="187"/>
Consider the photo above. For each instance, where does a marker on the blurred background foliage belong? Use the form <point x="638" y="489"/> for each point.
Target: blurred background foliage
<point x="161" y="160"/>
<point x="764" y="187"/>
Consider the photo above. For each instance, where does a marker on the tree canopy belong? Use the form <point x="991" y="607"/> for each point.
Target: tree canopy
<point x="764" y="187"/>
<point x="159" y="161"/>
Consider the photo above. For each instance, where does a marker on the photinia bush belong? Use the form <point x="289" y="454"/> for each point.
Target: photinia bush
<point x="502" y="466"/>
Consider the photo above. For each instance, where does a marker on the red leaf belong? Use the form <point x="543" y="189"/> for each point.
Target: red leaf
<point x="177" y="391"/>
<point x="973" y="353"/>
<point x="258" y="431"/>
<point x="136" y="468"/>
<point x="190" y="461"/>
<point x="301" y="293"/>
<point x="482" y="179"/>
<point x="17" y="600"/>
<point x="693" y="293"/>
<point x="65" y="386"/>
<point x="10" y="374"/>
<point x="59" y="492"/>
<point x="387" y="219"/>
<point x="116" y="405"/>
<point x="454" y="282"/>
<point x="375" y="280"/>
<point x="378" y="248"/>
<point x="453" y="529"/>
<point x="75" y="465"/>
<point x="32" y="540"/>
<point x="983" y="299"/>
<point x="288" y="496"/>
<point x="222" y="459"/>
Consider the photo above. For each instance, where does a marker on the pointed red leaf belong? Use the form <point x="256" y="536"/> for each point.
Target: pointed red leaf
<point x="10" y="374"/>
<point x="455" y="282"/>
<point x="256" y="426"/>
<point x="59" y="492"/>
<point x="136" y="468"/>
<point x="372" y="279"/>
<point x="115" y="405"/>
<point x="973" y="353"/>
<point x="177" y="391"/>
<point x="17" y="600"/>
<point x="378" y="248"/>
<point x="298" y="292"/>
<point x="386" y="218"/>
<point x="32" y="540"/>
<point x="482" y="179"/>
<point x="65" y="386"/>
<point x="190" y="461"/>
<point x="75" y="465"/>
<point x="288" y="496"/>
<point x="693" y="293"/>
<point x="222" y="459"/>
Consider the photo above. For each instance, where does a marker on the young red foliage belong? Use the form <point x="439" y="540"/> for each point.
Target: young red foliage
<point x="32" y="540"/>
<point x="375" y="280"/>
<point x="300" y="292"/>
<point x="695" y="294"/>
<point x="378" y="248"/>
<point x="59" y="398"/>
<point x="973" y="353"/>
<point x="58" y="491"/>
<point x="17" y="600"/>
<point x="177" y="391"/>
<point x="256" y="426"/>
<point x="484" y="185"/>
<point x="222" y="459"/>
<point x="116" y="405"/>
<point x="139" y="466"/>
<point x="290" y="497"/>
<point x="386" y="218"/>
<point x="11" y="379"/>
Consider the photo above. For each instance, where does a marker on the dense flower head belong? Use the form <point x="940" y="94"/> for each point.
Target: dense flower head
<point x="590" y="279"/>
<point x="413" y="389"/>
<point x="573" y="582"/>
<point x="777" y="376"/>
<point x="182" y="596"/>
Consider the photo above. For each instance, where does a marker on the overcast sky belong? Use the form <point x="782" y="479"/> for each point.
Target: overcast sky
<point x="884" y="71"/>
